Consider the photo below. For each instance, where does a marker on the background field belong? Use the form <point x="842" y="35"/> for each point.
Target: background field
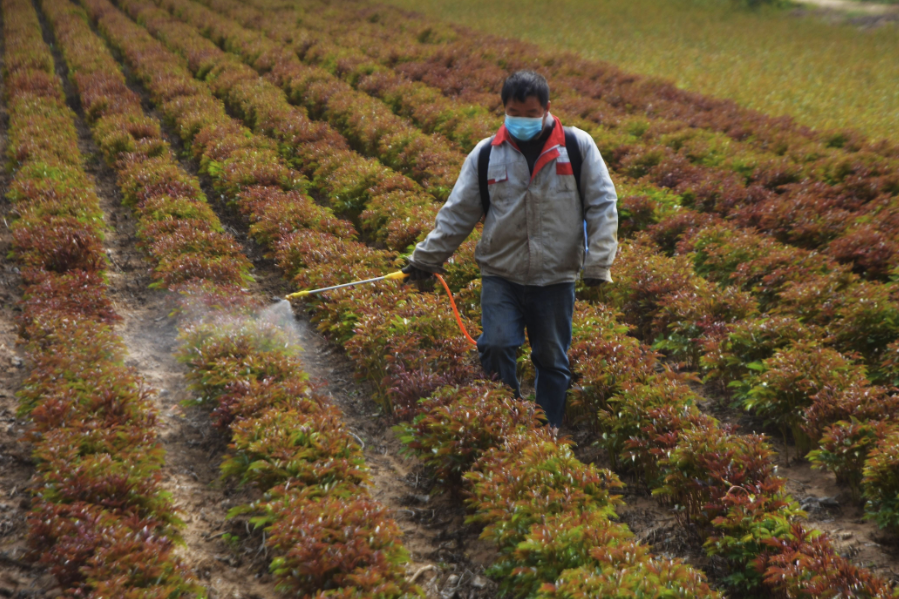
<point x="825" y="75"/>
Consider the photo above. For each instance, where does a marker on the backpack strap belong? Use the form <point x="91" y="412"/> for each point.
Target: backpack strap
<point x="574" y="155"/>
<point x="483" y="162"/>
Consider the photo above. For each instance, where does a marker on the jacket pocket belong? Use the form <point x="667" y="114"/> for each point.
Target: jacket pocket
<point x="564" y="180"/>
<point x="496" y="173"/>
<point x="497" y="182"/>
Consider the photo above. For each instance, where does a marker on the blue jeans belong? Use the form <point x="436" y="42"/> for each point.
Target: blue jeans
<point x="507" y="310"/>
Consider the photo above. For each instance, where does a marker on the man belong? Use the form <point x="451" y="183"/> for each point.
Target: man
<point x="533" y="245"/>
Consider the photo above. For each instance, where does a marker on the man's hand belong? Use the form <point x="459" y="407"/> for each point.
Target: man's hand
<point x="417" y="274"/>
<point x="422" y="279"/>
<point x="594" y="282"/>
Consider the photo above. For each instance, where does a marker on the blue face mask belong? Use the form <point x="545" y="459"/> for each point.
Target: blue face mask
<point x="524" y="128"/>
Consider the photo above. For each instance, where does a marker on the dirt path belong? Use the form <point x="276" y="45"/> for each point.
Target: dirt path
<point x="17" y="578"/>
<point x="850" y="6"/>
<point x="447" y="554"/>
<point x="432" y="523"/>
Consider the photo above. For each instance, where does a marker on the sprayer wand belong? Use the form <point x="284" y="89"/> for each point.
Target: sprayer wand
<point x="398" y="275"/>
<point x="394" y="276"/>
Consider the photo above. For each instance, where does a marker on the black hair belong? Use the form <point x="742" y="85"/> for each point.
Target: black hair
<point x="523" y="84"/>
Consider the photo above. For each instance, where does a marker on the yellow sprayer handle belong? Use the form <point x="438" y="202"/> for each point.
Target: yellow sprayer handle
<point x="392" y="276"/>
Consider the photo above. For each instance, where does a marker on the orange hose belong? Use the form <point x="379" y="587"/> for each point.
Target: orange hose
<point x="455" y="310"/>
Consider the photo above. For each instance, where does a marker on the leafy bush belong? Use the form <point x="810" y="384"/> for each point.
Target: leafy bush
<point x="604" y="360"/>
<point x="529" y="478"/>
<point x="707" y="464"/>
<point x="749" y="341"/>
<point x="781" y="388"/>
<point x="309" y="448"/>
<point x="67" y="536"/>
<point x="696" y="318"/>
<point x="866" y="320"/>
<point x="76" y="294"/>
<point x="209" y="349"/>
<point x="643" y="423"/>
<point x="804" y="564"/>
<point x="564" y="541"/>
<point x="456" y="425"/>
<point x="644" y="279"/>
<point x="844" y="448"/>
<point x="833" y="404"/>
<point x="59" y="244"/>
<point x="247" y="398"/>
<point x="880" y="482"/>
<point x="755" y="514"/>
<point x="629" y="571"/>
<point x="413" y="352"/>
<point x="330" y="542"/>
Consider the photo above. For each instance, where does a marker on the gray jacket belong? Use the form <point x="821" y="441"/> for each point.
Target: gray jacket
<point x="534" y="230"/>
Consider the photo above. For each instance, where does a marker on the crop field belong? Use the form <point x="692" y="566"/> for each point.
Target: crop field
<point x="170" y="431"/>
<point x="825" y="76"/>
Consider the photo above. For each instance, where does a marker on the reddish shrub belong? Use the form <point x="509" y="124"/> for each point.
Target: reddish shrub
<point x="456" y="425"/>
<point x="58" y="244"/>
<point x="330" y="542"/>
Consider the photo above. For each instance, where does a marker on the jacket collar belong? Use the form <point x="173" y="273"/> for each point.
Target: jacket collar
<point x="549" y="152"/>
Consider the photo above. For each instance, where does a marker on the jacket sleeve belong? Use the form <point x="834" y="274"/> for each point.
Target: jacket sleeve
<point x="455" y="220"/>
<point x="600" y="211"/>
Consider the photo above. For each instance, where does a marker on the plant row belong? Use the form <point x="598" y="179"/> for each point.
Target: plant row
<point x="708" y="325"/>
<point x="100" y="520"/>
<point x="458" y="54"/>
<point x="414" y="371"/>
<point x="866" y="326"/>
<point x="374" y="336"/>
<point x="366" y="124"/>
<point x="776" y="362"/>
<point x="390" y="208"/>
<point x="329" y="538"/>
<point x="861" y="318"/>
<point x="834" y="203"/>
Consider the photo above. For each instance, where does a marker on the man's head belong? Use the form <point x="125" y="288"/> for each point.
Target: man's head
<point x="525" y="96"/>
